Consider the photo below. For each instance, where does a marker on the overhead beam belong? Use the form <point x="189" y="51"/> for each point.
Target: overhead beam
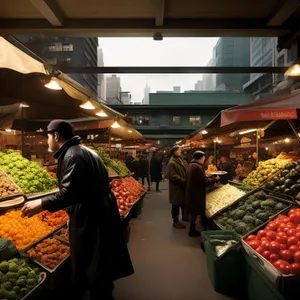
<point x="285" y="42"/>
<point x="283" y="12"/>
<point x="173" y="70"/>
<point x="50" y="10"/>
<point x="160" y="13"/>
<point x="145" y="27"/>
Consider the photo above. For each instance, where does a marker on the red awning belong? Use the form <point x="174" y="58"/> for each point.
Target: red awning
<point x="284" y="108"/>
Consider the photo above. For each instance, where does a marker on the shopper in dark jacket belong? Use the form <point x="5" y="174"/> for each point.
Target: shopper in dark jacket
<point x="195" y="193"/>
<point x="156" y="170"/>
<point x="99" y="252"/>
<point x="135" y="168"/>
<point x="145" y="170"/>
<point x="226" y="165"/>
<point x="176" y="174"/>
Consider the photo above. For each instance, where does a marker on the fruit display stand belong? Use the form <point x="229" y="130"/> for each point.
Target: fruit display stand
<point x="251" y="211"/>
<point x="275" y="250"/>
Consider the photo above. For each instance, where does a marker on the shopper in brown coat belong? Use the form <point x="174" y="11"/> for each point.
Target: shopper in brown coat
<point x="195" y="194"/>
<point x="176" y="174"/>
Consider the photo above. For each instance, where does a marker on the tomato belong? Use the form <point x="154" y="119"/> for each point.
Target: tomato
<point x="286" y="255"/>
<point x="292" y="240"/>
<point x="283" y="266"/>
<point x="295" y="268"/>
<point x="282" y="226"/>
<point x="283" y="246"/>
<point x="265" y="239"/>
<point x="295" y="217"/>
<point x="272" y="226"/>
<point x="294" y="248"/>
<point x="286" y="219"/>
<point x="297" y="257"/>
<point x="281" y="237"/>
<point x="293" y="210"/>
<point x="266" y="254"/>
<point x="291" y="232"/>
<point x="298" y="244"/>
<point x="261" y="233"/>
<point x="265" y="245"/>
<point x="274" y="247"/>
<point x="259" y="250"/>
<point x="297" y="234"/>
<point x="271" y="235"/>
<point x="274" y="257"/>
<point x="251" y="237"/>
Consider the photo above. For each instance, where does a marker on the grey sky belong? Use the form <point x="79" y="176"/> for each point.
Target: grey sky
<point x="147" y="52"/>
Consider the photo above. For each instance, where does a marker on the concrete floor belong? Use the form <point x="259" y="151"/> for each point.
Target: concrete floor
<point x="169" y="265"/>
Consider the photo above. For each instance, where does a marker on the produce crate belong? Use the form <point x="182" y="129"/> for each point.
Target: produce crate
<point x="35" y="291"/>
<point x="42" y="194"/>
<point x="274" y="196"/>
<point x="59" y="235"/>
<point x="40" y="263"/>
<point x="286" y="284"/>
<point x="225" y="272"/>
<point x="258" y="286"/>
<point x="12" y="203"/>
<point x="18" y="190"/>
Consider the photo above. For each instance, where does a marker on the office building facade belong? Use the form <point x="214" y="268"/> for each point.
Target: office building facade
<point x="113" y="90"/>
<point x="66" y="51"/>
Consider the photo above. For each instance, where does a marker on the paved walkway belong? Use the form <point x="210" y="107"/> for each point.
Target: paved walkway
<point x="169" y="265"/>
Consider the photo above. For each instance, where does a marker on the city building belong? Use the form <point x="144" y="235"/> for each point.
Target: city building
<point x="113" y="90"/>
<point x="101" y="78"/>
<point x="66" y="51"/>
<point x="209" y="80"/>
<point x="176" y="89"/>
<point x="263" y="52"/>
<point x="171" y="116"/>
<point x="232" y="52"/>
<point x="147" y="91"/>
<point x="199" y="85"/>
<point x="125" y="98"/>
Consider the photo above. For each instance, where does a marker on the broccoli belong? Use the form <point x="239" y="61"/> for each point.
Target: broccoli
<point x="3" y="278"/>
<point x="4" y="267"/>
<point x="249" y="219"/>
<point x="256" y="204"/>
<point x="7" y="286"/>
<point x="223" y="220"/>
<point x="21" y="282"/>
<point x="233" y="214"/>
<point x="268" y="203"/>
<point x="230" y="221"/>
<point x="17" y="290"/>
<point x="258" y="211"/>
<point x="258" y="222"/>
<point x="241" y="228"/>
<point x="23" y="272"/>
<point x="13" y="267"/>
<point x="243" y="207"/>
<point x="11" y="295"/>
<point x="31" y="275"/>
<point x="250" y="209"/>
<point x="31" y="282"/>
<point x="263" y="217"/>
<point x="14" y="260"/>
<point x="260" y="195"/>
<point x="240" y="213"/>
<point x="12" y="275"/>
<point x="280" y="206"/>
<point x="23" y="291"/>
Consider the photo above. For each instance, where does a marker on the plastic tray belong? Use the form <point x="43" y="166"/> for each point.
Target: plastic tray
<point x="277" y="197"/>
<point x="42" y="194"/>
<point x="57" y="235"/>
<point x="42" y="278"/>
<point x="41" y="264"/>
<point x="10" y="197"/>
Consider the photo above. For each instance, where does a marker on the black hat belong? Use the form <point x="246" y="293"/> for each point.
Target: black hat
<point x="198" y="154"/>
<point x="63" y="128"/>
<point x="174" y="148"/>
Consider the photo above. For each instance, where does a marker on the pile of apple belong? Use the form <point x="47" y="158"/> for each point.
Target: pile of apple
<point x="127" y="191"/>
<point x="279" y="242"/>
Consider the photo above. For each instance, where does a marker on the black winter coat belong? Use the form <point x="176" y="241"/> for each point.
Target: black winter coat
<point x="98" y="247"/>
<point x="144" y="167"/>
<point x="195" y="193"/>
<point x="156" y="169"/>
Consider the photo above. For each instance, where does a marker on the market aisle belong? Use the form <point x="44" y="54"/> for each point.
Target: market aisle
<point x="169" y="265"/>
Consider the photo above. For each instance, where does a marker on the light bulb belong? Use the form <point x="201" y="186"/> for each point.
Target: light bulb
<point x="101" y="113"/>
<point x="53" y="85"/>
<point x="115" y="125"/>
<point x="204" y="132"/>
<point x="87" y="105"/>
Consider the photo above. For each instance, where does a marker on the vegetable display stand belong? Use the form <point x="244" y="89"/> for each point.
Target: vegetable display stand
<point x="225" y="271"/>
<point x="137" y="208"/>
<point x="258" y="286"/>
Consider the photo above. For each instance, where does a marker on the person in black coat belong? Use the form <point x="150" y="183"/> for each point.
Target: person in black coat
<point x="135" y="167"/>
<point x="156" y="170"/>
<point x="99" y="253"/>
<point x="226" y="165"/>
<point x="144" y="169"/>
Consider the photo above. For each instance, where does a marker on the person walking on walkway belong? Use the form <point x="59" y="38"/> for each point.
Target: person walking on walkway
<point x="99" y="253"/>
<point x="145" y="170"/>
<point x="156" y="170"/>
<point x="135" y="167"/>
<point x="176" y="173"/>
<point x="195" y="194"/>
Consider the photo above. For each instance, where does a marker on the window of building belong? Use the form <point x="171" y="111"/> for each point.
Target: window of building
<point x="195" y="120"/>
<point x="55" y="47"/>
<point x="141" y="120"/>
<point x="52" y="61"/>
<point x="176" y="120"/>
<point x="51" y="47"/>
<point x="67" y="47"/>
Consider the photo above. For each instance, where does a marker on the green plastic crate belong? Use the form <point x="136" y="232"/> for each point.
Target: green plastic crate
<point x="258" y="286"/>
<point x="225" y="272"/>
